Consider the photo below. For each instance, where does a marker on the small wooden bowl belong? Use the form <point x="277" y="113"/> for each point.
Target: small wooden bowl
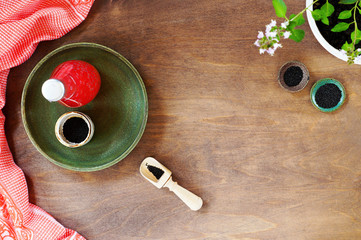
<point x="60" y="124"/>
<point x="302" y="84"/>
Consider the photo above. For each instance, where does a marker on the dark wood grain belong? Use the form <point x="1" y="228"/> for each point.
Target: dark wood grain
<point x="266" y="162"/>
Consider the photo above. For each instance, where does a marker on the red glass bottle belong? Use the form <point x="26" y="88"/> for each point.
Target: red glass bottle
<point x="73" y="83"/>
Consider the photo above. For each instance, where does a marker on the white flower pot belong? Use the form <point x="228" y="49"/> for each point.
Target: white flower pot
<point x="319" y="37"/>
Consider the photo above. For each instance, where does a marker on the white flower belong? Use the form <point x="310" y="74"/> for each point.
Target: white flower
<point x="286" y="34"/>
<point x="343" y="52"/>
<point x="271" y="51"/>
<point x="284" y="24"/>
<point x="257" y="43"/>
<point x="260" y="34"/>
<point x="261" y="51"/>
<point x="268" y="29"/>
<point x="273" y="23"/>
<point x="271" y="34"/>
<point x="277" y="45"/>
<point x="270" y="26"/>
<point x="359" y="49"/>
<point x="358" y="58"/>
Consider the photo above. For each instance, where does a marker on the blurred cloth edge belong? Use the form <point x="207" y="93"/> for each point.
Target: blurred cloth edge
<point x="23" y="24"/>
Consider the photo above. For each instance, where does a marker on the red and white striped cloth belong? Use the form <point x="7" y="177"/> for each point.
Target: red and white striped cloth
<point x="23" y="24"/>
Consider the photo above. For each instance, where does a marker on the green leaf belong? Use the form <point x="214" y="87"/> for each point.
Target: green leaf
<point x="297" y="35"/>
<point x="291" y="26"/>
<point x="299" y="20"/>
<point x="340" y="27"/>
<point x="280" y="8"/>
<point x="356" y="33"/>
<point x="317" y="14"/>
<point x="347" y="1"/>
<point x="278" y="37"/>
<point x="345" y="14"/>
<point x="347" y="46"/>
<point x="328" y="9"/>
<point x="325" y="21"/>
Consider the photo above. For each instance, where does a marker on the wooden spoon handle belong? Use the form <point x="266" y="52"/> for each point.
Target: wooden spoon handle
<point x="190" y="199"/>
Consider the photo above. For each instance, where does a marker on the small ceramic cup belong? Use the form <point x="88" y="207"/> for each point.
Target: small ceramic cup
<point x="303" y="82"/>
<point x="74" y="129"/>
<point x="333" y="105"/>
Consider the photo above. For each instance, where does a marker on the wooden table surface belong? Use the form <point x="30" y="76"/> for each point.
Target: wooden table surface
<point x="267" y="164"/>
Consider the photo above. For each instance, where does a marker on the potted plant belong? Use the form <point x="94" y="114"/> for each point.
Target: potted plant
<point x="335" y="20"/>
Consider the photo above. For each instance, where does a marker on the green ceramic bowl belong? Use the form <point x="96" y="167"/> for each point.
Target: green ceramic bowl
<point x="319" y="84"/>
<point x="119" y="111"/>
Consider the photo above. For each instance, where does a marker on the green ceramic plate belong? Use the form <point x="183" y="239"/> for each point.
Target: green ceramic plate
<point x="119" y="111"/>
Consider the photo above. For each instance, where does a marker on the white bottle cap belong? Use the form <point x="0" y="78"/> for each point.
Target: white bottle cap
<point x="53" y="90"/>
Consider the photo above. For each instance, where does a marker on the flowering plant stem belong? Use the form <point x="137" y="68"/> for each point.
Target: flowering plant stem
<point x="349" y="49"/>
<point x="304" y="10"/>
<point x="269" y="41"/>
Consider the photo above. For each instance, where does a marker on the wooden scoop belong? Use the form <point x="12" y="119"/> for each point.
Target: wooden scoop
<point x="160" y="176"/>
